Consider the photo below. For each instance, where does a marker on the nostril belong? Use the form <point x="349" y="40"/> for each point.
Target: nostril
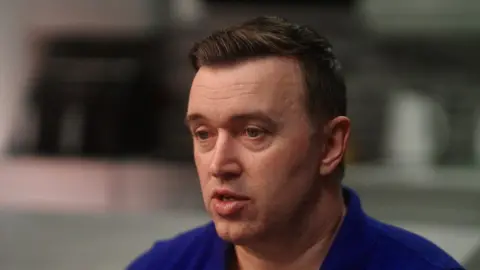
<point x="226" y="176"/>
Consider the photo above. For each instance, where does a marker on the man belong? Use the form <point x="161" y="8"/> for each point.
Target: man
<point x="267" y="113"/>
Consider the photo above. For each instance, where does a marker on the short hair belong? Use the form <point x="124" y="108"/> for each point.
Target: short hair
<point x="274" y="36"/>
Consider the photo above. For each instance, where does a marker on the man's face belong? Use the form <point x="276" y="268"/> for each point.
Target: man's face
<point x="253" y="145"/>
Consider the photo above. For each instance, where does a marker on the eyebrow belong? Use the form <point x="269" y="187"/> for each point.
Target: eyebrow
<point x="254" y="115"/>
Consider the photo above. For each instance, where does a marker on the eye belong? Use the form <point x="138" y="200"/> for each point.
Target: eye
<point x="201" y="135"/>
<point x="204" y="138"/>
<point x="254" y="132"/>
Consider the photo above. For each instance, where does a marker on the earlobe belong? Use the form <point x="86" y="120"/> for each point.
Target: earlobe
<point x="337" y="134"/>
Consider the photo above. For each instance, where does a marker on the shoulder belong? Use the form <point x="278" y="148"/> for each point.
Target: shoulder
<point x="397" y="248"/>
<point x="174" y="253"/>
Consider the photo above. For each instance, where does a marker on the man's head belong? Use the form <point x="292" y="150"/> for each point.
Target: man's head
<point x="267" y="113"/>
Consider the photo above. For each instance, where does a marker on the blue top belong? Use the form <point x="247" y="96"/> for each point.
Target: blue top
<point x="361" y="243"/>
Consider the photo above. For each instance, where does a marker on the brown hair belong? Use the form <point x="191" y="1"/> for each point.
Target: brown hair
<point x="274" y="36"/>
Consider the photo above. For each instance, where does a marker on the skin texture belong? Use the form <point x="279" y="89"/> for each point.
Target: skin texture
<point x="252" y="135"/>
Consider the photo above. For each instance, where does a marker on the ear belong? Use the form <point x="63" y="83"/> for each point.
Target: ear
<point x="336" y="135"/>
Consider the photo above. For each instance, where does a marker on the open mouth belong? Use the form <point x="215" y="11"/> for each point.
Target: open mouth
<point x="227" y="204"/>
<point x="227" y="198"/>
<point x="228" y="195"/>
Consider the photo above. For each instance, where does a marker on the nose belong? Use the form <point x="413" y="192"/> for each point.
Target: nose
<point x="224" y="164"/>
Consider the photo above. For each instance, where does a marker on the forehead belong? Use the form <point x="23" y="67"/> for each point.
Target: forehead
<point x="273" y="85"/>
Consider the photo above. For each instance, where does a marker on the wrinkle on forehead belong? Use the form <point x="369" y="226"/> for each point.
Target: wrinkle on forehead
<point x="272" y="84"/>
<point x="227" y="91"/>
<point x="273" y="72"/>
<point x="278" y="70"/>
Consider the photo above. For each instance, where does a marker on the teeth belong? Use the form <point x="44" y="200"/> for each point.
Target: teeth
<point x="225" y="198"/>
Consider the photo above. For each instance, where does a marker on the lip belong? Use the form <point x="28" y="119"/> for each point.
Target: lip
<point x="228" y="208"/>
<point x="224" y="192"/>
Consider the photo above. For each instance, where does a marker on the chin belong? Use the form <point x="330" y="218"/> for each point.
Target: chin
<point x="236" y="232"/>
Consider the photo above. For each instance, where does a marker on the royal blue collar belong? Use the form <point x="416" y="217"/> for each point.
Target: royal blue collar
<point x="354" y="239"/>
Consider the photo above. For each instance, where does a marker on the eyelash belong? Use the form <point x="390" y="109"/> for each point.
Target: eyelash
<point x="198" y="134"/>
<point x="262" y="132"/>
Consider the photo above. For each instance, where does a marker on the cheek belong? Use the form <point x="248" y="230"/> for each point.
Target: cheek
<point x="280" y="172"/>
<point x="283" y="157"/>
<point x="202" y="166"/>
<point x="264" y="178"/>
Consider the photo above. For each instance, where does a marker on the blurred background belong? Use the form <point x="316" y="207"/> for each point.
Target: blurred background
<point x="95" y="163"/>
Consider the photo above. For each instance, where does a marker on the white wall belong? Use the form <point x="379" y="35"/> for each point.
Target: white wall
<point x="422" y="16"/>
<point x="12" y="66"/>
<point x="75" y="185"/>
<point x="91" y="15"/>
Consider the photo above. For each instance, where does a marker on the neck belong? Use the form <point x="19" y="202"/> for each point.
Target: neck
<point x="302" y="244"/>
